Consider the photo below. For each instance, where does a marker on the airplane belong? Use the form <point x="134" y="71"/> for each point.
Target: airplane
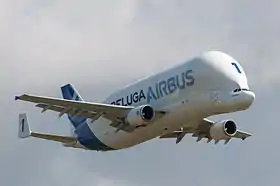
<point x="166" y="105"/>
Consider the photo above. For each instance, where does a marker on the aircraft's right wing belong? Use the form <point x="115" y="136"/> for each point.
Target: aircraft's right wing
<point x="202" y="131"/>
<point x="93" y="111"/>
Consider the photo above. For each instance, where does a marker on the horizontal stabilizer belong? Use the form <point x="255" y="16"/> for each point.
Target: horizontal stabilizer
<point x="25" y="131"/>
<point x="62" y="139"/>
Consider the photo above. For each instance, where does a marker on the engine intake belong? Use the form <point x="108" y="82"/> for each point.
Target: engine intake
<point x="230" y="128"/>
<point x="223" y="130"/>
<point x="140" y="115"/>
<point x="147" y="113"/>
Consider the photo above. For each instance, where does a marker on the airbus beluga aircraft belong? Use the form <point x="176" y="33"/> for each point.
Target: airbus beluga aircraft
<point x="169" y="104"/>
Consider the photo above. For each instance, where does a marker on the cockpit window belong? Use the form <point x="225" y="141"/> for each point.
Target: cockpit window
<point x="240" y="89"/>
<point x="237" y="90"/>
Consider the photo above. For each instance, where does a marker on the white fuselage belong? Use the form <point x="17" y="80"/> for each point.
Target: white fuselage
<point x="189" y="92"/>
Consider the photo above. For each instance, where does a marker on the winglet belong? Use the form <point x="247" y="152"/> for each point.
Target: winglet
<point x="23" y="130"/>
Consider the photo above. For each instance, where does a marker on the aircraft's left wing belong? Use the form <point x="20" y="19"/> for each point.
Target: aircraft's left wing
<point x="70" y="106"/>
<point x="81" y="109"/>
<point x="202" y="131"/>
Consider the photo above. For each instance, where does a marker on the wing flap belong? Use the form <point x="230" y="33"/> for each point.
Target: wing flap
<point x="174" y="134"/>
<point x="71" y="111"/>
<point x="75" y="145"/>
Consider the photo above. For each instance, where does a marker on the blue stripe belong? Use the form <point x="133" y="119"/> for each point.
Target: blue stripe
<point x="69" y="93"/>
<point x="87" y="138"/>
<point x="76" y="121"/>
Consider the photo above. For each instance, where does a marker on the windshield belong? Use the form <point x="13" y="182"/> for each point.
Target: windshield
<point x="240" y="89"/>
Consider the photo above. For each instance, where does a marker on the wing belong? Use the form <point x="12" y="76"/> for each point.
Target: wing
<point x="92" y="111"/>
<point x="202" y="131"/>
<point x="242" y="135"/>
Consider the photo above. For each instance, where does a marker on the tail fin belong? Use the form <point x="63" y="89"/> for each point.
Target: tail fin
<point x="70" y="93"/>
<point x="23" y="130"/>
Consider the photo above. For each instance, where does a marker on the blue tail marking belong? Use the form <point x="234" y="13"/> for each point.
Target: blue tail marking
<point x="85" y="136"/>
<point x="88" y="139"/>
<point x="70" y="93"/>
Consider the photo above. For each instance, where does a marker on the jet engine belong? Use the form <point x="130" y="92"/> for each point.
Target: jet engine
<point x="223" y="130"/>
<point x="140" y="115"/>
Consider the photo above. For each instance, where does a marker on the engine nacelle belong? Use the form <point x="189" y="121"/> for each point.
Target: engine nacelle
<point x="140" y="115"/>
<point x="223" y="130"/>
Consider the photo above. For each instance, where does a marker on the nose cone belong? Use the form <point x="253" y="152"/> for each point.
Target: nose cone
<point x="250" y="97"/>
<point x="247" y="98"/>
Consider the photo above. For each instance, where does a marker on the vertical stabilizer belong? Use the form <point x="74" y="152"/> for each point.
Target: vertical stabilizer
<point x="70" y="93"/>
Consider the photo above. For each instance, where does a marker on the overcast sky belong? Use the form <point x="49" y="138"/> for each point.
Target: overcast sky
<point x="102" y="45"/>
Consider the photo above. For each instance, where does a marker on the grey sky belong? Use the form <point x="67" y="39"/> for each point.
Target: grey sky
<point x="45" y="44"/>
